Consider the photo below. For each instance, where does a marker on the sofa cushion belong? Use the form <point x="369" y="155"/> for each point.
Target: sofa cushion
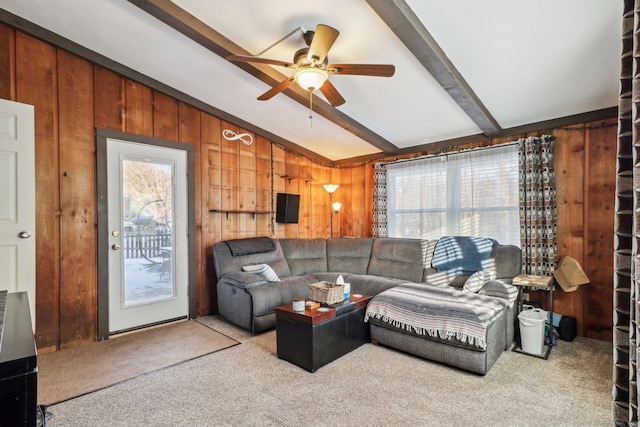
<point x="243" y="280"/>
<point x="349" y="255"/>
<point x="305" y="255"/>
<point x="330" y="276"/>
<point x="497" y="288"/>
<point x="265" y="299"/>
<point x="433" y="278"/>
<point x="225" y="262"/>
<point x="371" y="285"/>
<point x="397" y="258"/>
<point x="255" y="245"/>
<point x="429" y="247"/>
<point x="508" y="261"/>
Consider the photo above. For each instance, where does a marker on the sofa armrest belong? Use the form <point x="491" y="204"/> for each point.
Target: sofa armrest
<point x="501" y="289"/>
<point x="244" y="280"/>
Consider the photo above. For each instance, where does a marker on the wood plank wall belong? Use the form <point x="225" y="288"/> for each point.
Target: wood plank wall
<point x="73" y="97"/>
<point x="585" y="166"/>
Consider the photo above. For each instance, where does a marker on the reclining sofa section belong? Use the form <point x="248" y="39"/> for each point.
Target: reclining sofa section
<point x="372" y="266"/>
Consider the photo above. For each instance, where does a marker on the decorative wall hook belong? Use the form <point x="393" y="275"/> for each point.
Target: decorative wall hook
<point x="229" y="135"/>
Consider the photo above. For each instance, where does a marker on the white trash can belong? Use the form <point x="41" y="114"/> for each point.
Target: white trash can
<point x="532" y="323"/>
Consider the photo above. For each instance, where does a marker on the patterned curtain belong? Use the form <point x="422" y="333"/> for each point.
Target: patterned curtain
<point x="625" y="280"/>
<point x="379" y="200"/>
<point x="537" y="205"/>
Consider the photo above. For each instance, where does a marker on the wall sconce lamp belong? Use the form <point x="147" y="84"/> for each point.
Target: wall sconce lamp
<point x="331" y="188"/>
<point x="335" y="207"/>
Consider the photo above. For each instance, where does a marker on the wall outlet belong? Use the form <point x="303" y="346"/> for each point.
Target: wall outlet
<point x="525" y="296"/>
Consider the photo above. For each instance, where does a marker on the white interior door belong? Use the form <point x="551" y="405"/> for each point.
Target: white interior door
<point x="18" y="201"/>
<point x="147" y="216"/>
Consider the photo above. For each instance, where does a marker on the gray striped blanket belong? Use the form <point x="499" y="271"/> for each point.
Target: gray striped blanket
<point x="438" y="312"/>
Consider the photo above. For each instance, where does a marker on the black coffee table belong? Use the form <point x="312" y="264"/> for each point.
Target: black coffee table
<point x="313" y="338"/>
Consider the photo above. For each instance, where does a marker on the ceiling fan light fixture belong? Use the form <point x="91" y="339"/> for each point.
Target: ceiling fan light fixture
<point x="311" y="78"/>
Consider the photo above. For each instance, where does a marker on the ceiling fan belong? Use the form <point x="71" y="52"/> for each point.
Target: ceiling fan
<point x="312" y="66"/>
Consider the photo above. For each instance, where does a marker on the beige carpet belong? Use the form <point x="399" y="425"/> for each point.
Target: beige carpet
<point x="248" y="385"/>
<point x="73" y="372"/>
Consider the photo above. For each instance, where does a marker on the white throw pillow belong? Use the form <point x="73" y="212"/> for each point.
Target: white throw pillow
<point x="476" y="281"/>
<point x="269" y="274"/>
<point x="263" y="270"/>
<point x="254" y="268"/>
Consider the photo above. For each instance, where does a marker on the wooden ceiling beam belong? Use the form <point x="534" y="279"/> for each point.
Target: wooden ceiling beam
<point x="399" y="17"/>
<point x="187" y="24"/>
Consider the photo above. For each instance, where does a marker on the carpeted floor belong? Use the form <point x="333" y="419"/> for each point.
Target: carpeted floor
<point x="73" y="372"/>
<point x="248" y="385"/>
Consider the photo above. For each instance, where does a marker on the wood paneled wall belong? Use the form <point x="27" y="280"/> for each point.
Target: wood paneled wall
<point x="73" y="97"/>
<point x="585" y="166"/>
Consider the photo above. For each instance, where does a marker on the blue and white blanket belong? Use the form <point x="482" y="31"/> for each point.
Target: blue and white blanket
<point x="462" y="254"/>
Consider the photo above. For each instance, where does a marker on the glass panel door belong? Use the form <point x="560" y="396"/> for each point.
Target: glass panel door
<point x="148" y="256"/>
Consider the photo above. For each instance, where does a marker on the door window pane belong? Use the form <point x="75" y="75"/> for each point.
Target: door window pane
<point x="147" y="218"/>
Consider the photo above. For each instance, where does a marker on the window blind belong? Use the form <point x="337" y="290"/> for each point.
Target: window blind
<point x="474" y="193"/>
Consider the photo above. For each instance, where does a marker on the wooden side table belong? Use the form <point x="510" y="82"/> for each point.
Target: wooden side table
<point x="538" y="283"/>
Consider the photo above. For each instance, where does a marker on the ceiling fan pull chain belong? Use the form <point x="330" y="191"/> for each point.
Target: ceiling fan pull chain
<point x="311" y="109"/>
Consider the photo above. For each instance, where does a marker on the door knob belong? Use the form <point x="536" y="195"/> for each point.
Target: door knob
<point x="24" y="235"/>
<point x="115" y="247"/>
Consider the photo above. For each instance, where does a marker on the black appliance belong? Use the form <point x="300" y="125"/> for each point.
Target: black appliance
<point x="18" y="362"/>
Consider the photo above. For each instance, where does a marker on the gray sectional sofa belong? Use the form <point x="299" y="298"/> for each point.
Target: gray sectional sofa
<point x="378" y="267"/>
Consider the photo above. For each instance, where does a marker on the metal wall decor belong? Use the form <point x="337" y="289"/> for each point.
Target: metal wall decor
<point x="230" y="135"/>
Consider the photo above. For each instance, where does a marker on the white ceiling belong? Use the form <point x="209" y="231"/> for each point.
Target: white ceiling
<point x="527" y="62"/>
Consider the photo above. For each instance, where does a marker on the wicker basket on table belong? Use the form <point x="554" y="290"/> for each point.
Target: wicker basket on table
<point x="327" y="292"/>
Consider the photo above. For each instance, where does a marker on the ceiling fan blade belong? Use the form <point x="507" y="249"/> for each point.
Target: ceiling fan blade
<point x="244" y="58"/>
<point x="323" y="39"/>
<point x="331" y="93"/>
<point x="377" y="70"/>
<point x="276" y="89"/>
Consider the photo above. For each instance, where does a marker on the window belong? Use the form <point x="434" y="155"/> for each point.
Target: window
<point x="466" y="194"/>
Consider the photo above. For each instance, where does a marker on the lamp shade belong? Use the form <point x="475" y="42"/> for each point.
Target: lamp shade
<point x="311" y="78"/>
<point x="336" y="206"/>
<point x="331" y="188"/>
